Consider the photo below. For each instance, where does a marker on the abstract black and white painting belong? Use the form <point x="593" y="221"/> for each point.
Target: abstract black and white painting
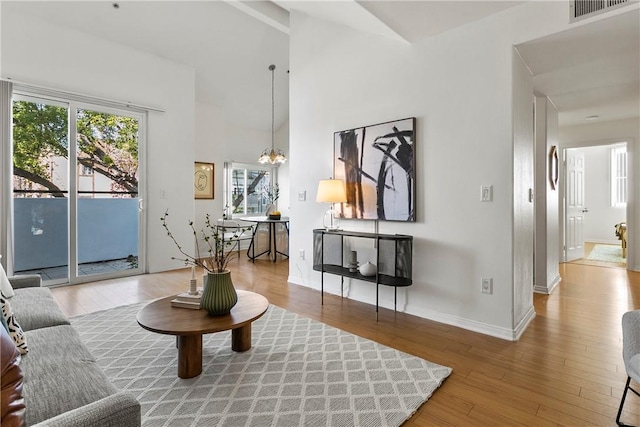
<point x="377" y="164"/>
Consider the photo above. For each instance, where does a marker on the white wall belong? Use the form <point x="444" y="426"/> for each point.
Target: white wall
<point x="66" y="60"/>
<point x="342" y="79"/>
<point x="610" y="132"/>
<point x="459" y="86"/>
<point x="284" y="180"/>
<point x="547" y="256"/>
<point x="523" y="206"/>
<point x="210" y="139"/>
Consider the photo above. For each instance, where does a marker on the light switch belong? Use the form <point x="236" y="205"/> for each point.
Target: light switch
<point x="486" y="193"/>
<point x="302" y="196"/>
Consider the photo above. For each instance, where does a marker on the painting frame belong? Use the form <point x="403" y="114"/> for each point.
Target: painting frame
<point x="377" y="164"/>
<point x="203" y="180"/>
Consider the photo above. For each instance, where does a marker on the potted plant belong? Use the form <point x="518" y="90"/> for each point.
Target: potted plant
<point x="272" y="193"/>
<point x="218" y="296"/>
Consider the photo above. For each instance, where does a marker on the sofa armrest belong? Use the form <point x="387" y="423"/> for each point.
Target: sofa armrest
<point x="25" y="281"/>
<point x="118" y="410"/>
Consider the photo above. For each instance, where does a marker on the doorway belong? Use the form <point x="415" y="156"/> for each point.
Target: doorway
<point x="595" y="208"/>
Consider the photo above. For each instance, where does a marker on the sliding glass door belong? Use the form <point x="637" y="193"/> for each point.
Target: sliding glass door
<point x="76" y="207"/>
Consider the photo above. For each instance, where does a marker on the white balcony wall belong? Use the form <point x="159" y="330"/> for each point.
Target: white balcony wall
<point x="40" y="236"/>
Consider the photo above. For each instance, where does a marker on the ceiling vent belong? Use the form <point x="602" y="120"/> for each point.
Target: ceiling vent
<point x="586" y="8"/>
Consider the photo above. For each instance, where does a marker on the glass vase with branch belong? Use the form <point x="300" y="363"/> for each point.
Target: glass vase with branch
<point x="271" y="195"/>
<point x="218" y="295"/>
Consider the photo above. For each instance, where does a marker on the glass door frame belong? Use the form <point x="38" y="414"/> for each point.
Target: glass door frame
<point x="73" y="105"/>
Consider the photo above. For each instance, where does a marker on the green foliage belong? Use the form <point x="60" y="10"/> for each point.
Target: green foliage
<point x="118" y="131"/>
<point x="107" y="143"/>
<point x="39" y="131"/>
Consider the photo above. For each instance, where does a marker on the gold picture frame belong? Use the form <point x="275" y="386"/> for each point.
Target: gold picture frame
<point x="203" y="180"/>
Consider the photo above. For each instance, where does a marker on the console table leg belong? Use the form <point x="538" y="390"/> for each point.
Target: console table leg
<point x="377" y="290"/>
<point x="189" y="356"/>
<point x="395" y="298"/>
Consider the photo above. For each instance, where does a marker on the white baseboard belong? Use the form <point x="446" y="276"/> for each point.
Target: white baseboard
<point x="475" y="326"/>
<point x="549" y="287"/>
<point x="461" y="322"/>
<point x="522" y="326"/>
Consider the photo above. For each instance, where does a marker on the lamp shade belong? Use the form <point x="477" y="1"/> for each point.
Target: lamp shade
<point x="331" y="191"/>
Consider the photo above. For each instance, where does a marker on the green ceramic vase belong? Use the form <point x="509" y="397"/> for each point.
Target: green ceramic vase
<point x="219" y="296"/>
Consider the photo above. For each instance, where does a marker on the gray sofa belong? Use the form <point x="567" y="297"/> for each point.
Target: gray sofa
<point x="63" y="384"/>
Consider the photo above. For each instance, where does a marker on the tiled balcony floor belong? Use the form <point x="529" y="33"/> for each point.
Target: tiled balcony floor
<point x="57" y="273"/>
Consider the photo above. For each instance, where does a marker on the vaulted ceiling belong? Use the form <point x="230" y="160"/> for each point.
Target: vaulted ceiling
<point x="590" y="70"/>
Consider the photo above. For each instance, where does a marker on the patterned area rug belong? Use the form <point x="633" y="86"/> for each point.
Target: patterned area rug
<point x="298" y="372"/>
<point x="607" y="253"/>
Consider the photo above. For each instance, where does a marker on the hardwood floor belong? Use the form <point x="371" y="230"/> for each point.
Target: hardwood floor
<point x="566" y="369"/>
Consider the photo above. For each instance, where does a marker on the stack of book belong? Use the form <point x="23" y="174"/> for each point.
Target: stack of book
<point x="187" y="300"/>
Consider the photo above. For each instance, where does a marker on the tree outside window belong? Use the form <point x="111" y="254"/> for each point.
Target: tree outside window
<point x="107" y="145"/>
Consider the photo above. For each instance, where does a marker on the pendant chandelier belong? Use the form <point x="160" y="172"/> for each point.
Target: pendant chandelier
<point x="271" y="155"/>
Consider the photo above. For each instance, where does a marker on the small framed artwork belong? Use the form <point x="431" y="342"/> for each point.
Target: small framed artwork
<point x="203" y="180"/>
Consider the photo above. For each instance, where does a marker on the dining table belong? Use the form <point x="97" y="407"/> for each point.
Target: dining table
<point x="265" y="237"/>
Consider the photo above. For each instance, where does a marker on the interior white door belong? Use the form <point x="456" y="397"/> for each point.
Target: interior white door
<point x="575" y="206"/>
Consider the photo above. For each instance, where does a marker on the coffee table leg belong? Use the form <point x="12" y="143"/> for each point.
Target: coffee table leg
<point x="189" y="356"/>
<point x="241" y="338"/>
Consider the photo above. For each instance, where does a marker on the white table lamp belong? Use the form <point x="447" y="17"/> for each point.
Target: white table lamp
<point x="331" y="191"/>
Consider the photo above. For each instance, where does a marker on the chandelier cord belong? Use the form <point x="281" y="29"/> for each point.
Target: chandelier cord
<point x="274" y="157"/>
<point x="272" y="68"/>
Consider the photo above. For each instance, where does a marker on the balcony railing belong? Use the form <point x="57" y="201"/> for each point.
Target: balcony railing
<point x="107" y="230"/>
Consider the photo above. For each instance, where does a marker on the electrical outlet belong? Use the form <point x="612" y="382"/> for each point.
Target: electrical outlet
<point x="487" y="286"/>
<point x="302" y="196"/>
<point x="301" y="254"/>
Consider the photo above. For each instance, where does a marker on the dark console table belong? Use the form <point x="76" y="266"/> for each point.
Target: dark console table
<point x="394" y="262"/>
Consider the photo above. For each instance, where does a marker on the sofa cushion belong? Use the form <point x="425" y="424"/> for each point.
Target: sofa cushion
<point x="10" y="322"/>
<point x="25" y="281"/>
<point x="35" y="308"/>
<point x="61" y="368"/>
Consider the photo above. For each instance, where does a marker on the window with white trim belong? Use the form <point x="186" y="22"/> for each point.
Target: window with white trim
<point x="247" y="188"/>
<point x="619" y="176"/>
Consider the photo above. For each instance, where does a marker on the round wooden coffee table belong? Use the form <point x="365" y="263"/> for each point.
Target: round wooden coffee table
<point x="189" y="326"/>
